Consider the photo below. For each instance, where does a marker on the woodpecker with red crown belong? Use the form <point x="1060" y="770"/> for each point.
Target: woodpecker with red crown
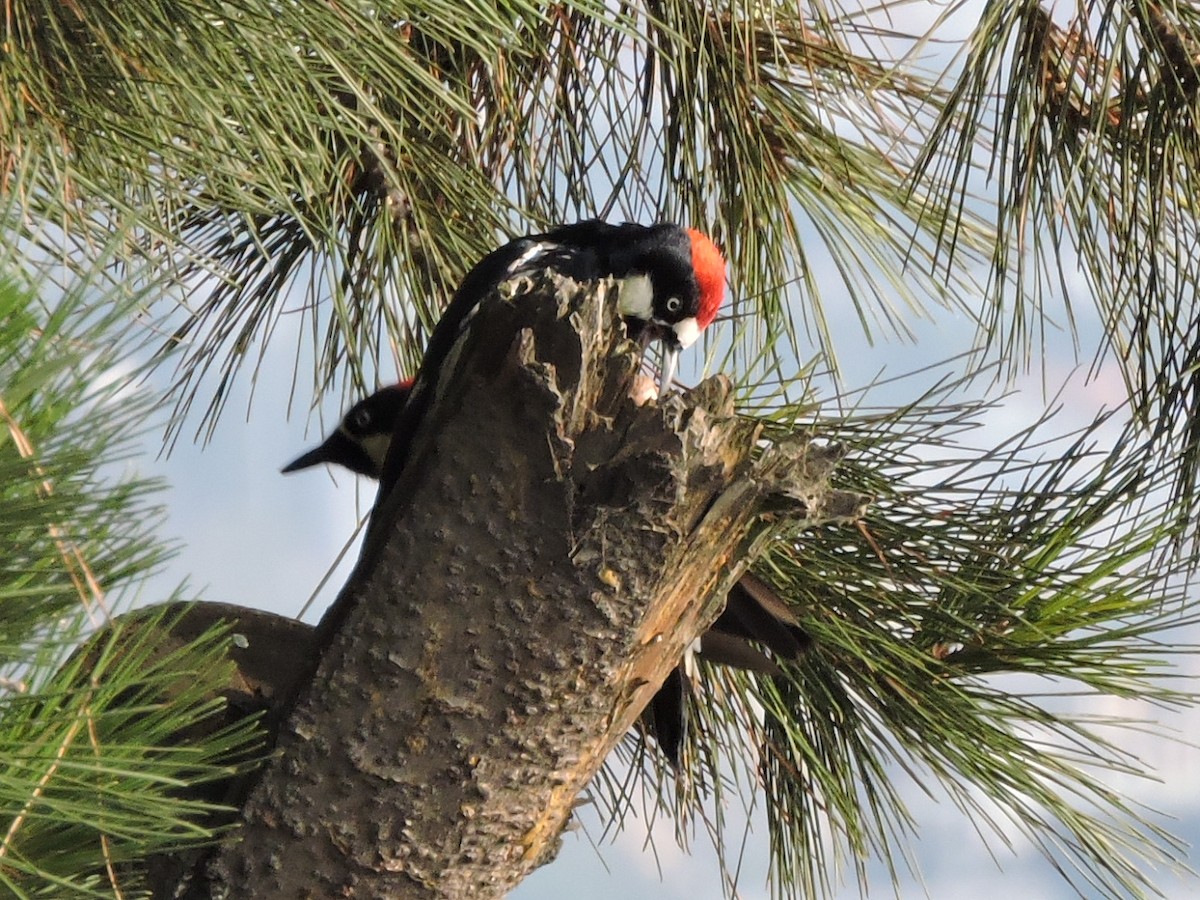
<point x="671" y="284"/>
<point x="754" y="613"/>
<point x="360" y="442"/>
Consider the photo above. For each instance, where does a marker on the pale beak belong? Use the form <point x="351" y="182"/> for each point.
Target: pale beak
<point x="670" y="364"/>
<point x="683" y="334"/>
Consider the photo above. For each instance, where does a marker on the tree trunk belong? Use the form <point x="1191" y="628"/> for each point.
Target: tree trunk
<point x="539" y="568"/>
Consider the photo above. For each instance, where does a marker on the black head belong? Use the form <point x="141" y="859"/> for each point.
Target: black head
<point x="361" y="440"/>
<point x="667" y="257"/>
<point x="673" y="281"/>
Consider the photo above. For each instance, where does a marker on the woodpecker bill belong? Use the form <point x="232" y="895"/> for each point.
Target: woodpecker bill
<point x="360" y="442"/>
<point x="754" y="613"/>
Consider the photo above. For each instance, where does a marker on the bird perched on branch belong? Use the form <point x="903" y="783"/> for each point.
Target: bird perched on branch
<point x="360" y="442"/>
<point x="672" y="282"/>
<point x="753" y="614"/>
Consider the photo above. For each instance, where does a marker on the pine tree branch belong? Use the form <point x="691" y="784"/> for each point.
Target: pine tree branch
<point x="536" y="572"/>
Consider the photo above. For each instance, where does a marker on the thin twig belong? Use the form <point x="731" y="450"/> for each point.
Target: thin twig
<point x="109" y="868"/>
<point x="19" y="819"/>
<point x="77" y="568"/>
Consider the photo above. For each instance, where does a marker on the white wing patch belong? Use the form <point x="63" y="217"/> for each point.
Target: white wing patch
<point x="690" y="653"/>
<point x="512" y="269"/>
<point x="527" y="257"/>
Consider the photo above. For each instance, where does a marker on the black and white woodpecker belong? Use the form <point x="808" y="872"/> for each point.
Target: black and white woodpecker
<point x="672" y="282"/>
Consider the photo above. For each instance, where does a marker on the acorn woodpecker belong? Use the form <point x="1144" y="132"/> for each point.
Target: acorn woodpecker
<point x="672" y="281"/>
<point x="360" y="442"/>
<point x="754" y="613"/>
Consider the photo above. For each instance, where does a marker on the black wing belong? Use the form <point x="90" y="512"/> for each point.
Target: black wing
<point x="582" y="251"/>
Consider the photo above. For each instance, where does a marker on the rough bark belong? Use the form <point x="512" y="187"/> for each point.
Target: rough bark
<point x="548" y="553"/>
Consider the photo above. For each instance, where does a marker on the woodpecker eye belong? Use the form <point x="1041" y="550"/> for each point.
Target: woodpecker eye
<point x="360" y="420"/>
<point x="674" y="304"/>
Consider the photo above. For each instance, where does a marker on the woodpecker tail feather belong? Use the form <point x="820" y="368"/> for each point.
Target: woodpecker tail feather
<point x="754" y="611"/>
<point x="668" y="709"/>
<point x="736" y="653"/>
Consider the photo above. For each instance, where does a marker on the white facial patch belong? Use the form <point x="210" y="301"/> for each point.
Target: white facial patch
<point x="686" y="331"/>
<point x="637" y="298"/>
<point x="376" y="448"/>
